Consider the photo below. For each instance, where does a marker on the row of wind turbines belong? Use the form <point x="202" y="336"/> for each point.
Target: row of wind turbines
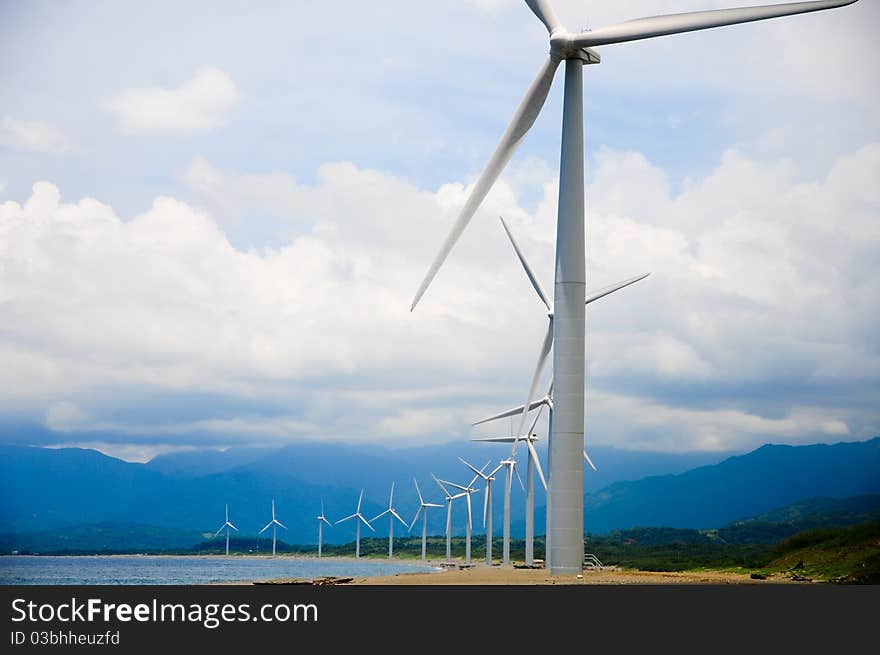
<point x="453" y="491"/>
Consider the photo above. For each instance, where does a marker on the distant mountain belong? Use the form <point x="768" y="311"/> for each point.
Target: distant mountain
<point x="374" y="466"/>
<point x="45" y="489"/>
<point x="743" y="486"/>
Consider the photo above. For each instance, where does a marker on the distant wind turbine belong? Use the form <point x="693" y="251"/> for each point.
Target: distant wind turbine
<point x="392" y="515"/>
<point x="576" y="50"/>
<point x="274" y="523"/>
<point x="360" y="519"/>
<point x="449" y="499"/>
<point x="321" y="521"/>
<point x="423" y="510"/>
<point x="227" y="525"/>
<point x="489" y="478"/>
<point x="468" y="490"/>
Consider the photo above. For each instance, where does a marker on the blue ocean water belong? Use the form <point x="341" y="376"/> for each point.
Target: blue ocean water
<point x="136" y="570"/>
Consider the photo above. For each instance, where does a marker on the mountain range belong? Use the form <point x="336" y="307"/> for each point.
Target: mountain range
<point x="53" y="489"/>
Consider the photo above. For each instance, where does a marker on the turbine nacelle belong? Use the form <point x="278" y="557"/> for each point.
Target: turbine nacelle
<point x="563" y="46"/>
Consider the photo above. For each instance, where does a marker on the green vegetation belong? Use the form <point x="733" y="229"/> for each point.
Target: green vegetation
<point x="848" y="555"/>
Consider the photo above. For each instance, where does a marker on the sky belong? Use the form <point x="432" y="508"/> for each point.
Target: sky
<point x="214" y="216"/>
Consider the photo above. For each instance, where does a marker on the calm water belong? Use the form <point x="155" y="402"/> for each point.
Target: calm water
<point x="184" y="570"/>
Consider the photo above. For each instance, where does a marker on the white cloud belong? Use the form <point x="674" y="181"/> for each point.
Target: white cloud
<point x="33" y="136"/>
<point x="758" y="322"/>
<point x="200" y="104"/>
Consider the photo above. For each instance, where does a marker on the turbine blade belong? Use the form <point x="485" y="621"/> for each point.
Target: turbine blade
<point x="495" y="470"/>
<point x="646" y="28"/>
<point x="232" y="526"/>
<point x="523" y="119"/>
<point x="268" y="525"/>
<point x="220" y="530"/>
<point x="534" y="455"/>
<point x="453" y="484"/>
<point x="472" y="468"/>
<point x="506" y="413"/>
<point x="359" y="502"/>
<point x="397" y="516"/>
<point x="418" y="491"/>
<point x="442" y="488"/>
<point x="326" y="521"/>
<point x="589" y="461"/>
<point x="347" y="518"/>
<point x="366" y="522"/>
<point x="416" y="517"/>
<point x="611" y="288"/>
<point x="536" y="284"/>
<point x="539" y="368"/>
<point x="545" y="14"/>
<point x="281" y="524"/>
<point x="379" y="516"/>
<point x="519" y="477"/>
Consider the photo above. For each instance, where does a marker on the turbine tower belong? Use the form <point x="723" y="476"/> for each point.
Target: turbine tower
<point x="489" y="478"/>
<point x="321" y="521"/>
<point x="467" y="491"/>
<point x="274" y="523"/>
<point x="227" y="525"/>
<point x="360" y="519"/>
<point x="392" y="515"/>
<point x="566" y="503"/>
<point x="423" y="510"/>
<point x="449" y="498"/>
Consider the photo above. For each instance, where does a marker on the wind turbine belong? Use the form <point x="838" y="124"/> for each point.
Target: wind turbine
<point x="274" y="523"/>
<point x="530" y="490"/>
<point x="227" y="525"/>
<point x="321" y="521"/>
<point x="567" y="433"/>
<point x="360" y="519"/>
<point x="542" y="295"/>
<point x="392" y="515"/>
<point x="468" y="490"/>
<point x="423" y="510"/>
<point x="546" y="401"/>
<point x="449" y="498"/>
<point x="489" y="478"/>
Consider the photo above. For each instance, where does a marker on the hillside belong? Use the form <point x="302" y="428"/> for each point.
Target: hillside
<point x="848" y="555"/>
<point x="747" y="485"/>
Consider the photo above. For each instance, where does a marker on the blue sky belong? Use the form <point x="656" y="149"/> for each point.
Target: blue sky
<point x="213" y="218"/>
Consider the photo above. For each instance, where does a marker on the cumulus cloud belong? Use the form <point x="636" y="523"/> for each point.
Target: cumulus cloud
<point x="757" y="324"/>
<point x="202" y="103"/>
<point x="33" y="136"/>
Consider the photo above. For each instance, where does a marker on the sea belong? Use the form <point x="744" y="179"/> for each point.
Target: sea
<point x="173" y="570"/>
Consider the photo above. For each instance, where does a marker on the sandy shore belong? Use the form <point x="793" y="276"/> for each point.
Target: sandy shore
<point x="497" y="575"/>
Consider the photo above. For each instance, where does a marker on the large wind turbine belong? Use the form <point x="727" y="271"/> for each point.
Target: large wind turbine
<point x="467" y="491"/>
<point x="423" y="510"/>
<point x="392" y="515"/>
<point x="360" y="519"/>
<point x="449" y="498"/>
<point x="227" y="525"/>
<point x="488" y="478"/>
<point x="567" y="434"/>
<point x="321" y="521"/>
<point x="274" y="523"/>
